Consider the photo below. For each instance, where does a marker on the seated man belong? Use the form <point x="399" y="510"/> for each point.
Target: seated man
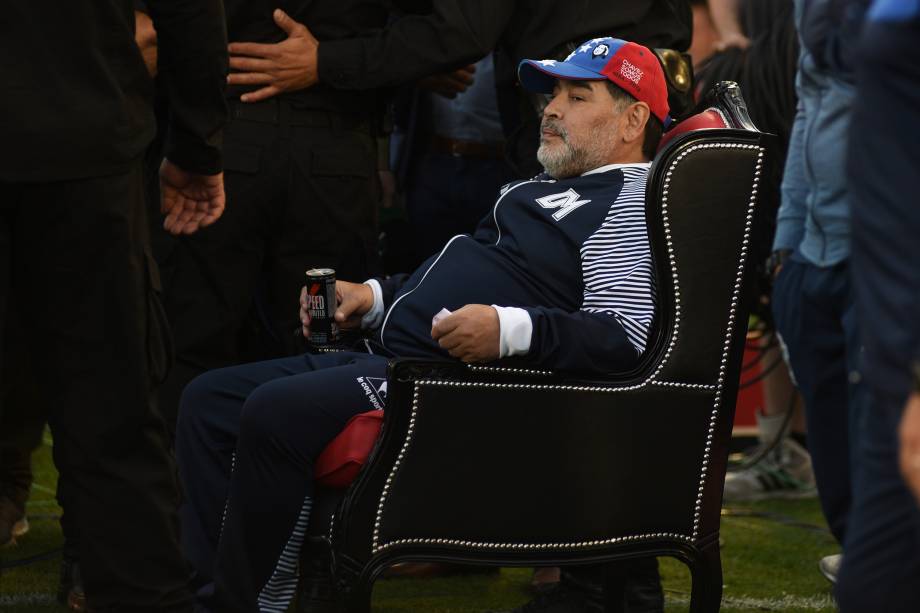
<point x="559" y="274"/>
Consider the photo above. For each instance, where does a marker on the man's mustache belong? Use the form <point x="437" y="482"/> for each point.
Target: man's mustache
<point x="553" y="127"/>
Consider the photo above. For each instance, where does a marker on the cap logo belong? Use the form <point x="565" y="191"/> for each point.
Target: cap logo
<point x="600" y="51"/>
<point x="633" y="73"/>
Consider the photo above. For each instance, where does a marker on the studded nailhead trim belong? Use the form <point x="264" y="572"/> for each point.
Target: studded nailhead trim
<point x="377" y="546"/>
<point x="510" y="371"/>
<point x="736" y="294"/>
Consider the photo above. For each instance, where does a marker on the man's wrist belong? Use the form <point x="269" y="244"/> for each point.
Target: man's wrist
<point x="515" y="329"/>
<point x="374" y="316"/>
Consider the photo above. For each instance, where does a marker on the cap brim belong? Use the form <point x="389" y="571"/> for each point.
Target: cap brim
<point x="541" y="78"/>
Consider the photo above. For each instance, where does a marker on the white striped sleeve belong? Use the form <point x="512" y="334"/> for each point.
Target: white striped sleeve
<point x="617" y="263"/>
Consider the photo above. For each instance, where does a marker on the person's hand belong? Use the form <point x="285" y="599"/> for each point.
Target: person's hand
<point x="470" y="334"/>
<point x="353" y="299"/>
<point x="449" y="84"/>
<point x="146" y="38"/>
<point x="280" y="67"/>
<point x="189" y="201"/>
<point x="909" y="433"/>
<point x="733" y="39"/>
<point x="387" y="188"/>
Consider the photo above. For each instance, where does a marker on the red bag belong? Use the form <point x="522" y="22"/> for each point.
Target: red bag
<point x="342" y="459"/>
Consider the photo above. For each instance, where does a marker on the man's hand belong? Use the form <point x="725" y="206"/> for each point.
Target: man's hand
<point x="470" y="334"/>
<point x="449" y="84"/>
<point x="909" y="432"/>
<point x="354" y="300"/>
<point x="146" y="38"/>
<point x="189" y="201"/>
<point x="281" y="67"/>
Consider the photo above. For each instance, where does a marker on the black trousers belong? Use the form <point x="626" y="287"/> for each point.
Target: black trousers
<point x="74" y="257"/>
<point x="247" y="439"/>
<point x="301" y="193"/>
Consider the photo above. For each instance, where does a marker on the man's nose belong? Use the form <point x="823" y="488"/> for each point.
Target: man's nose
<point x="553" y="108"/>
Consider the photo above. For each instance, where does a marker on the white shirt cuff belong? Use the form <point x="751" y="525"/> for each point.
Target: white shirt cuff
<point x="373" y="318"/>
<point x="515" y="329"/>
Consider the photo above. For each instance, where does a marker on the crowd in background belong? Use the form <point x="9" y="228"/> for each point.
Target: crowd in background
<point x="397" y="136"/>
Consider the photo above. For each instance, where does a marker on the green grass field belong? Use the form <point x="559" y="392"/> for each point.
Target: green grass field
<point x="769" y="555"/>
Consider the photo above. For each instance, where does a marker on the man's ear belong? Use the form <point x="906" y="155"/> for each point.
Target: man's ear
<point x="635" y="118"/>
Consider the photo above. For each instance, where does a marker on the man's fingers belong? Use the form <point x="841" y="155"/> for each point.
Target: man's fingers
<point x="254" y="49"/>
<point x="261" y="94"/>
<point x="450" y="342"/>
<point x="243" y="63"/>
<point x="249" y="78"/>
<point x="445" y="326"/>
<point x="284" y="21"/>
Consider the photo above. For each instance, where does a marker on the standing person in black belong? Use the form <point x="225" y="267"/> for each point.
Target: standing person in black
<point x="301" y="176"/>
<point x="452" y="34"/>
<point x="76" y="118"/>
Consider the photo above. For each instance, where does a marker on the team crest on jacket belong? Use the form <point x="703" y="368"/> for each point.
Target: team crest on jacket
<point x="566" y="202"/>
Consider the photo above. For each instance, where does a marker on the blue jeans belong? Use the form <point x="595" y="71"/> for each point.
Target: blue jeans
<point x="816" y="320"/>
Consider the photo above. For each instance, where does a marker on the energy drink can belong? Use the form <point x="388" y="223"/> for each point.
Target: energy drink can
<point x="321" y="305"/>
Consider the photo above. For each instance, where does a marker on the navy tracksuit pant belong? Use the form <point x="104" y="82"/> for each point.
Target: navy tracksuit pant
<point x="246" y="441"/>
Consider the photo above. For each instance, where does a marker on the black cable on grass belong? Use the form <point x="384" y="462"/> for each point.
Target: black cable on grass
<point x="761" y="353"/>
<point x="762" y="374"/>
<point x="767" y="449"/>
<point x="39" y="557"/>
<point x="778" y="518"/>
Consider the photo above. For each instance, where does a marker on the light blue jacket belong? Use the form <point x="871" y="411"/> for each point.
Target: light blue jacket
<point x="814" y="215"/>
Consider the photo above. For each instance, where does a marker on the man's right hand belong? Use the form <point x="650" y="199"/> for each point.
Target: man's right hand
<point x="354" y="301"/>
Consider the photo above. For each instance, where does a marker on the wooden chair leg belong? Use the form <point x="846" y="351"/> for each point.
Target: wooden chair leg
<point x="706" y="575"/>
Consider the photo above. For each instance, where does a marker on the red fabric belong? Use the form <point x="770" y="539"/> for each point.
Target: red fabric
<point x="710" y="118"/>
<point x="342" y="459"/>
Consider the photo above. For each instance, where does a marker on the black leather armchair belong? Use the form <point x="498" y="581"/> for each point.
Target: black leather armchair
<point x="519" y="467"/>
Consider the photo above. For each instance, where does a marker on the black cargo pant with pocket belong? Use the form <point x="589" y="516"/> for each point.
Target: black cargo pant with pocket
<point x="75" y="260"/>
<point x="301" y="193"/>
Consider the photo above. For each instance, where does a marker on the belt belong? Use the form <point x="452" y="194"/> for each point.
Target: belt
<point x="282" y="112"/>
<point x="466" y="148"/>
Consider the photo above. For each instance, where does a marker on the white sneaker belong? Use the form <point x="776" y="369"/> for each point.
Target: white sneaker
<point x="830" y="566"/>
<point x="785" y="472"/>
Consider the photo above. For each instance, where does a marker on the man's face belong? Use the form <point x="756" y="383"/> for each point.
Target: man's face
<point x="579" y="128"/>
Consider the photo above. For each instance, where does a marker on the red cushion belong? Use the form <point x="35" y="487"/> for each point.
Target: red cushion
<point x="710" y="118"/>
<point x="342" y="459"/>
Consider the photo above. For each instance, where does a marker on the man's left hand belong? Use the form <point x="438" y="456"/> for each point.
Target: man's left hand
<point x="470" y="334"/>
<point x="190" y="201"/>
<point x="280" y="67"/>
<point x="909" y="433"/>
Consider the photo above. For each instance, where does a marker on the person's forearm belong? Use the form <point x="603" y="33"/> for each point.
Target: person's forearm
<point x="145" y="35"/>
<point x="455" y="33"/>
<point x="192" y="50"/>
<point x="725" y="19"/>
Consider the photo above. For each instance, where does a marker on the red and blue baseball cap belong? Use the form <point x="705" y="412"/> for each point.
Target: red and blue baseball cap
<point x="632" y="67"/>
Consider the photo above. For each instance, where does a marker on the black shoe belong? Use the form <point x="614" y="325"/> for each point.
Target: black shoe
<point x="563" y="598"/>
<point x="70" y="589"/>
<point x="316" y="594"/>
<point x="15" y="483"/>
<point x="13" y="522"/>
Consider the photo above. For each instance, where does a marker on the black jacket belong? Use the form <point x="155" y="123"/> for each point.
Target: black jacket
<point x="329" y="21"/>
<point x="458" y="32"/>
<point x="77" y="97"/>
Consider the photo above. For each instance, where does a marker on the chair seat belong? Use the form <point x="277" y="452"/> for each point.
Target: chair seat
<point x="342" y="459"/>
